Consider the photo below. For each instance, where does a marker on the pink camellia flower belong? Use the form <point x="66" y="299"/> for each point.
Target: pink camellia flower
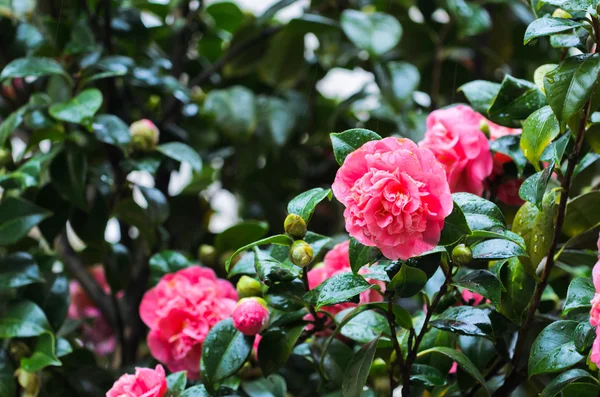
<point x="145" y="383"/>
<point x="472" y="298"/>
<point x="335" y="262"/>
<point x="595" y="353"/>
<point x="455" y="138"/>
<point x="396" y="197"/>
<point x="180" y="311"/>
<point x="98" y="335"/>
<point x="507" y="191"/>
<point x="251" y="316"/>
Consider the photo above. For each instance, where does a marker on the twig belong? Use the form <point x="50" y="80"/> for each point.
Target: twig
<point x="399" y="357"/>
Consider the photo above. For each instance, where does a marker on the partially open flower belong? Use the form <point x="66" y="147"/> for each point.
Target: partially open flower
<point x="144" y="135"/>
<point x="251" y="316"/>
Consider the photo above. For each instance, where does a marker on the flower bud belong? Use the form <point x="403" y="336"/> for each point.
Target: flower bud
<point x="378" y="368"/>
<point x="30" y="382"/>
<point x="251" y="316"/>
<point x="248" y="286"/>
<point x="462" y="255"/>
<point x="207" y="254"/>
<point x="560" y="13"/>
<point x="484" y="127"/>
<point x="144" y="135"/>
<point x="301" y="254"/>
<point x="5" y="157"/>
<point x="295" y="226"/>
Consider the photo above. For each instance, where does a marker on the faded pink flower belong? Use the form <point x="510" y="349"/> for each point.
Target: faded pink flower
<point x="337" y="261"/>
<point x="471" y="298"/>
<point x="180" y="311"/>
<point x="98" y="335"/>
<point x="396" y="197"/>
<point x="251" y="316"/>
<point x="145" y="383"/>
<point x="455" y="138"/>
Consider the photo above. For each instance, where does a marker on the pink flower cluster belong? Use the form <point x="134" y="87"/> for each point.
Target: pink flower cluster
<point x="180" y="311"/>
<point x="396" y="197"/>
<point x="145" y="383"/>
<point x="335" y="262"/>
<point x="595" y="311"/>
<point x="98" y="335"/>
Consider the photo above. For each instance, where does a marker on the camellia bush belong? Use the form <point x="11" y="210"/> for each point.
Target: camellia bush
<point x="189" y="209"/>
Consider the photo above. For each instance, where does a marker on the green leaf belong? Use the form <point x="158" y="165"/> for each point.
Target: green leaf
<point x="546" y="26"/>
<point x="110" y="129"/>
<point x="158" y="207"/>
<point x="280" y="119"/>
<point x="365" y="326"/>
<point x="361" y="255"/>
<point x="8" y="384"/>
<point x="534" y="187"/>
<point x="271" y="271"/>
<point x="519" y="289"/>
<point x="23" y="319"/>
<point x="68" y="172"/>
<point x="483" y="282"/>
<point x="376" y="33"/>
<point x="78" y="110"/>
<point x="279" y="239"/>
<point x="408" y="281"/>
<point x="573" y="5"/>
<point x="17" y="270"/>
<point x="463" y="362"/>
<point x="579" y="295"/>
<point x="554" y="349"/>
<point x="455" y="227"/>
<point x="276" y="347"/>
<point x="509" y="145"/>
<point x="33" y="66"/>
<point x="516" y="100"/>
<point x="196" y="391"/>
<point x="11" y="123"/>
<point x="304" y="204"/>
<point x="271" y="386"/>
<point x="569" y="86"/>
<point x="357" y="371"/>
<point x="182" y="153"/>
<point x="224" y="351"/>
<point x="563" y="380"/>
<point x="426" y="375"/>
<point x="348" y="141"/>
<point x="283" y="64"/>
<point x="167" y="262"/>
<point x="465" y="320"/>
<point x="585" y="335"/>
<point x="234" y="110"/>
<point x="472" y="19"/>
<point x="43" y="355"/>
<point x="480" y="94"/>
<point x="404" y="79"/>
<point x="581" y="214"/>
<point x="17" y="217"/>
<point x="52" y="297"/>
<point x="342" y="287"/>
<point x="176" y="384"/>
<point x="472" y="205"/>
<point x="497" y="249"/>
<point x="241" y="234"/>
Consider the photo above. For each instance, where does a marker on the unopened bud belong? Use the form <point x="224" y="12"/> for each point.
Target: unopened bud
<point x="484" y="127"/>
<point x="462" y="255"/>
<point x="560" y="13"/>
<point x="248" y="286"/>
<point x="5" y="157"/>
<point x="295" y="226"/>
<point x="301" y="254"/>
<point x="251" y="316"/>
<point x="378" y="368"/>
<point x="207" y="254"/>
<point x="29" y="382"/>
<point x="144" y="135"/>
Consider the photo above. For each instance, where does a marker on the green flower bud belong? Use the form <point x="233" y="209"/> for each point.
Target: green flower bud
<point x="248" y="286"/>
<point x="484" y="127"/>
<point x="207" y="254"/>
<point x="30" y="382"/>
<point x="5" y="157"/>
<point x="301" y="254"/>
<point x="144" y="135"/>
<point x="295" y="226"/>
<point x="560" y="13"/>
<point x="378" y="368"/>
<point x="462" y="255"/>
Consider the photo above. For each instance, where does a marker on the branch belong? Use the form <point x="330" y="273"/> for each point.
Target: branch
<point x="399" y="357"/>
<point x="518" y="375"/>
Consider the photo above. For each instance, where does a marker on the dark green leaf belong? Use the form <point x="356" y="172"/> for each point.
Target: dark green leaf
<point x="426" y="375"/>
<point x="234" y="110"/>
<point x="554" y="349"/>
<point x="17" y="217"/>
<point x="534" y="187"/>
<point x="365" y="326"/>
<point x="408" y="281"/>
<point x="348" y="141"/>
<point x="376" y="33"/>
<point x="78" y="110"/>
<point x="471" y="204"/>
<point x="465" y="320"/>
<point x="481" y="94"/>
<point x="68" y="171"/>
<point x="581" y="214"/>
<point x="343" y="287"/>
<point x="196" y="391"/>
<point x="112" y="130"/>
<point x="23" y="319"/>
<point x="279" y="239"/>
<point x="176" y="384"/>
<point x="44" y="355"/>
<point x="224" y="351"/>
<point x="584" y="336"/>
<point x="483" y="282"/>
<point x="241" y="234"/>
<point x="519" y="290"/>
<point x="158" y="207"/>
<point x="182" y="153"/>
<point x="497" y="249"/>
<point x="561" y="381"/>
<point x="276" y="346"/>
<point x="357" y="371"/>
<point x="304" y="204"/>
<point x="361" y="255"/>
<point x="167" y="262"/>
<point x="272" y="386"/>
<point x="33" y="66"/>
<point x="539" y="130"/>
<point x="509" y="145"/>
<point x="455" y="227"/>
<point x="8" y="384"/>
<point x="579" y="295"/>
<point x="11" y="123"/>
<point x="516" y="100"/>
<point x="472" y="19"/>
<point x="17" y="270"/>
<point x="270" y="270"/>
<point x="547" y="26"/>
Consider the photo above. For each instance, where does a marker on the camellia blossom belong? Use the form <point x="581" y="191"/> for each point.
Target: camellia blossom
<point x="335" y="262"/>
<point x="98" y="335"/>
<point x="251" y="316"/>
<point x="455" y="138"/>
<point x="145" y="383"/>
<point x="472" y="298"/>
<point x="396" y="197"/>
<point x="180" y="311"/>
<point x="595" y="311"/>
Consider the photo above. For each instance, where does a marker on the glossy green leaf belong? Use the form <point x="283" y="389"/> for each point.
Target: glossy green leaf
<point x="472" y="19"/>
<point x="540" y="128"/>
<point x="579" y="295"/>
<point x="509" y="145"/>
<point x="279" y="239"/>
<point x="580" y="215"/>
<point x="534" y="187"/>
<point x="17" y="217"/>
<point x="573" y="5"/>
<point x="471" y="204"/>
<point x="357" y="371"/>
<point x="304" y="204"/>
<point x="519" y="290"/>
<point x="17" y="270"/>
<point x="483" y="282"/>
<point x="11" y="123"/>
<point x="497" y="249"/>
<point x="376" y="33"/>
<point x="32" y="66"/>
<point x="546" y="26"/>
<point x="343" y="287"/>
<point x="271" y="271"/>
<point x="348" y="141"/>
<point x="176" y="384"/>
<point x="195" y="391"/>
<point x="224" y="351"/>
<point x="365" y="326"/>
<point x="584" y="337"/>
<point x="241" y="234"/>
<point x="68" y="171"/>
<point x="52" y="297"/>
<point x="80" y="109"/>
<point x="272" y="386"/>
<point x="554" y="349"/>
<point x="276" y="346"/>
<point x="455" y="227"/>
<point x="44" y="355"/>
<point x="112" y="130"/>
<point x="361" y="255"/>
<point x="166" y="262"/>
<point x="23" y="319"/>
<point x="561" y="381"/>
<point x="426" y="375"/>
<point x="408" y="281"/>
<point x="569" y="86"/>
<point x="516" y="100"/>
<point x="465" y="320"/>
<point x="182" y="153"/>
<point x="480" y="94"/>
